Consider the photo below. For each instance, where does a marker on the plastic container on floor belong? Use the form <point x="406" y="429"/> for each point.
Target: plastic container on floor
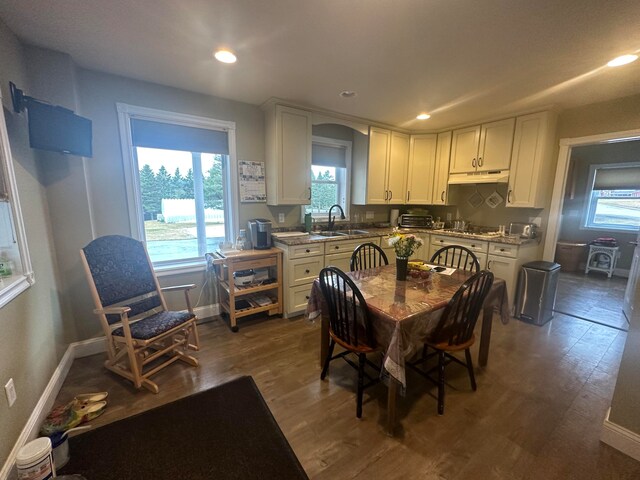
<point x="35" y="460"/>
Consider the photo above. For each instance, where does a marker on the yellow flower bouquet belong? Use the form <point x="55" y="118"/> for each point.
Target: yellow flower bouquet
<point x="404" y="244"/>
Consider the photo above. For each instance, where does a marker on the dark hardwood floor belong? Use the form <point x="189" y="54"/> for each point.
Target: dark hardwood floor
<point x="593" y="297"/>
<point x="537" y="413"/>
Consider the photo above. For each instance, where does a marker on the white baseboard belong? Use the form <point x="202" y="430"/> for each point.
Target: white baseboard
<point x="620" y="438"/>
<point x="75" y="350"/>
<point x="42" y="408"/>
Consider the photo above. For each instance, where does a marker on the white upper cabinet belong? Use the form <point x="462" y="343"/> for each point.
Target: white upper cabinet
<point x="386" y="167"/>
<point x="397" y="168"/>
<point x="441" y="177"/>
<point x="422" y="167"/>
<point x="288" y="155"/>
<point x="532" y="163"/>
<point x="482" y="148"/>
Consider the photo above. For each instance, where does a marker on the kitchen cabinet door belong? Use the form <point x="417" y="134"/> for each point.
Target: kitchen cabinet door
<point x="464" y="150"/>
<point x="531" y="161"/>
<point x="379" y="151"/>
<point x="496" y="140"/>
<point x="422" y="169"/>
<point x="288" y="156"/>
<point x="441" y="177"/>
<point x="397" y="168"/>
<point x="505" y="268"/>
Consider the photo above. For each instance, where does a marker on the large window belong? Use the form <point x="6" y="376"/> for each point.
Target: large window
<point x="330" y="181"/>
<point x="181" y="184"/>
<point x="613" y="197"/>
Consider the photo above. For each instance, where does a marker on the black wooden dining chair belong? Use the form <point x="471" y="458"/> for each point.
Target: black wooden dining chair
<point x="349" y="327"/>
<point x="456" y="256"/>
<point x="454" y="332"/>
<point x="368" y="255"/>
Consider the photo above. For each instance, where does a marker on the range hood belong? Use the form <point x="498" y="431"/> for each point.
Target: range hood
<point x="496" y="176"/>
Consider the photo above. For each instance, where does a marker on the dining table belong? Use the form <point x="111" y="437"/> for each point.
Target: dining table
<point x="402" y="313"/>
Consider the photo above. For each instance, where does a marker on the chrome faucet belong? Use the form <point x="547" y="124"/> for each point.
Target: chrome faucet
<point x="332" y="221"/>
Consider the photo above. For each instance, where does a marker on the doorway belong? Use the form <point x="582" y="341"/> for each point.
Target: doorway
<point x="596" y="199"/>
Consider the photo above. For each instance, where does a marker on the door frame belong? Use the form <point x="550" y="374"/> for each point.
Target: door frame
<point x="560" y="183"/>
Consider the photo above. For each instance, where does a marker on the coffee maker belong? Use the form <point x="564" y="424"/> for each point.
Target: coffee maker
<point x="260" y="231"/>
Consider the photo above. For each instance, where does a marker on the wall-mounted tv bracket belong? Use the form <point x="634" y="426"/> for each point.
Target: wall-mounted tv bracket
<point x="18" y="98"/>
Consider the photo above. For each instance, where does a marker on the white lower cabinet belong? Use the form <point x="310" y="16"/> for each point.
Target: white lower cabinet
<point x="505" y="261"/>
<point x="478" y="247"/>
<point x="302" y="265"/>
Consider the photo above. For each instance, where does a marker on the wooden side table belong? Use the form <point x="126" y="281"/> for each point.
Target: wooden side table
<point x="596" y="262"/>
<point x="260" y="296"/>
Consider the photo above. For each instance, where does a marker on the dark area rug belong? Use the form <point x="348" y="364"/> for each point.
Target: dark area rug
<point x="226" y="432"/>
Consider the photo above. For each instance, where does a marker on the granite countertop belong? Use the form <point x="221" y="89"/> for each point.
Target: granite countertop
<point x="377" y="231"/>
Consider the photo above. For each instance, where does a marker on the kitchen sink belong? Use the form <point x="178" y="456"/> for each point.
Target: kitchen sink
<point x="330" y="233"/>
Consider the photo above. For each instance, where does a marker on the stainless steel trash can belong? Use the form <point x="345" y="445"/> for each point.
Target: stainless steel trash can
<point x="536" y="292"/>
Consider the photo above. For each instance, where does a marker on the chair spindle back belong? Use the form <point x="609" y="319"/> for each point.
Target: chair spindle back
<point x="368" y="255"/>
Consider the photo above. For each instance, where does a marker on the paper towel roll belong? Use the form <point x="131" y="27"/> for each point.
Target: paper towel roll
<point x="393" y="217"/>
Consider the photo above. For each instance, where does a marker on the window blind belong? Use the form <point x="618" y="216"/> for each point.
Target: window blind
<point x="617" y="178"/>
<point x="328" y="156"/>
<point x="169" y="136"/>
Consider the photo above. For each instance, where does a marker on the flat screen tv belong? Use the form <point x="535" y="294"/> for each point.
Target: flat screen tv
<point x="58" y="129"/>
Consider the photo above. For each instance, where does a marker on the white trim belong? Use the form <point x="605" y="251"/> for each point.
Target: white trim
<point x="40" y="411"/>
<point x="620" y="438"/>
<point x="27" y="277"/>
<point x="562" y="169"/>
<point x="83" y="348"/>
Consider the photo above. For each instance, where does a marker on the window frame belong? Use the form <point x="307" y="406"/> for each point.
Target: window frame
<point x="589" y="206"/>
<point x="11" y="287"/>
<point x="347" y="145"/>
<point x="127" y="112"/>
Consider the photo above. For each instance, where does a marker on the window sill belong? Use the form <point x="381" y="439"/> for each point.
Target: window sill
<point x="178" y="268"/>
<point x="11" y="287"/>
<point x="627" y="231"/>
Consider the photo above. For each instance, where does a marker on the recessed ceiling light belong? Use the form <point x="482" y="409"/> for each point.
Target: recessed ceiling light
<point x="423" y="116"/>
<point x="622" y="60"/>
<point x="348" y="94"/>
<point x="225" y="56"/>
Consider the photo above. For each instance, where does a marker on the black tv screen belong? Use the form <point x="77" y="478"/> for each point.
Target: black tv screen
<point x="59" y="130"/>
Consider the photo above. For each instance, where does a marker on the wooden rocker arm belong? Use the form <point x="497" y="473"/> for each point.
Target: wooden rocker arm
<point x="178" y="287"/>
<point x="112" y="310"/>
<point x="184" y="288"/>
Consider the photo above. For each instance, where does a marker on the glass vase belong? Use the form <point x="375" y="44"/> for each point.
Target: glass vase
<point x="401" y="268"/>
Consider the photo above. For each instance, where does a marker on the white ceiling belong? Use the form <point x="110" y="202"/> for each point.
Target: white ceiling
<point x="460" y="60"/>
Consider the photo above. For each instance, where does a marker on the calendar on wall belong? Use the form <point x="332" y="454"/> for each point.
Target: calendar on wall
<point x="252" y="183"/>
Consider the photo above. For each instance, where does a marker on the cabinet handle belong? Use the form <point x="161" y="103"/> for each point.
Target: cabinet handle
<point x="473" y="246"/>
<point x="386" y="195"/>
<point x="473" y="163"/>
<point x="309" y="193"/>
<point x="502" y="249"/>
<point x="336" y="247"/>
<point x="308" y="251"/>
<point x="509" y="196"/>
<point x="489" y="264"/>
<point x="408" y="195"/>
<point x="390" y="195"/>
<point x="306" y="297"/>
<point x="479" y="161"/>
<point x="442" y="195"/>
<point x="307" y="271"/>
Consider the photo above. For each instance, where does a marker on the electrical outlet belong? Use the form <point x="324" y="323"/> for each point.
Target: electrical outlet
<point x="369" y="215"/>
<point x="449" y="217"/>
<point x="281" y="218"/>
<point x="10" y="390"/>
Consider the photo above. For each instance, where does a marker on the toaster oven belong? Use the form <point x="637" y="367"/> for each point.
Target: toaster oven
<point x="413" y="220"/>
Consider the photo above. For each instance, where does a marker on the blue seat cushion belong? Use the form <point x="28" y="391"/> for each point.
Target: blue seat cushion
<point x="155" y="325"/>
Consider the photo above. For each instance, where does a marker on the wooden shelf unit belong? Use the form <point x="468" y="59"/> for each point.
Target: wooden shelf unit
<point x="228" y="263"/>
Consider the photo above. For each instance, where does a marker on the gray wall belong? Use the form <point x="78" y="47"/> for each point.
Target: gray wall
<point x="33" y="335"/>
